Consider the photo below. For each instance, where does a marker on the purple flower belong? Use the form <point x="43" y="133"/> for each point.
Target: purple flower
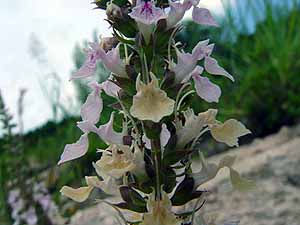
<point x="30" y="216"/>
<point x="13" y="196"/>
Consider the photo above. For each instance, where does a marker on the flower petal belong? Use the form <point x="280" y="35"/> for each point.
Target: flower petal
<point x="229" y="132"/>
<point x="76" y="150"/>
<point x="110" y="88"/>
<point x="177" y="11"/>
<point x="86" y="127"/>
<point x="92" y="108"/>
<point x="210" y="170"/>
<point x="150" y="102"/>
<point x="240" y="183"/>
<point x="211" y="66"/>
<point x="193" y="125"/>
<point x="164" y="135"/>
<point x="79" y="194"/>
<point x="202" y="49"/>
<point x="107" y="133"/>
<point x="206" y="90"/>
<point x="204" y="17"/>
<point x="113" y="62"/>
<point x="90" y="65"/>
<point x="147" y="13"/>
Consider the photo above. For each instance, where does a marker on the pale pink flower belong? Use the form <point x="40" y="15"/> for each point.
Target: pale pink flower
<point x="211" y="65"/>
<point x="203" y="16"/>
<point x="76" y="150"/>
<point x="187" y="62"/>
<point x="110" y="88"/>
<point x="110" y="59"/>
<point x="146" y="15"/>
<point x="146" y="12"/>
<point x="92" y="108"/>
<point x="199" y="15"/>
<point x="205" y="89"/>
<point x="88" y="68"/>
<point x="106" y="132"/>
<point x="112" y="62"/>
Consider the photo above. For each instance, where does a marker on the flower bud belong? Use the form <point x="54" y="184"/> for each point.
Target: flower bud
<point x="113" y="11"/>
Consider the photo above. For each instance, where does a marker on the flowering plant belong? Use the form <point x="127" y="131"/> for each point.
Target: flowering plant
<point x="147" y="165"/>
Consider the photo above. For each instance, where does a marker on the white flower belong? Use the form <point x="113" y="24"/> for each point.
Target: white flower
<point x="150" y="102"/>
<point x="81" y="194"/>
<point x="117" y="160"/>
<point x="193" y="125"/>
<point x="228" y="132"/>
<point x="159" y="212"/>
<point x="210" y="170"/>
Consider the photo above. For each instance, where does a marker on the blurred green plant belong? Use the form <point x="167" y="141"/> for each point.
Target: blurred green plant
<point x="6" y="143"/>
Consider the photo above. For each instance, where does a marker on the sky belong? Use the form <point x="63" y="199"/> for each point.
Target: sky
<point x="58" y="26"/>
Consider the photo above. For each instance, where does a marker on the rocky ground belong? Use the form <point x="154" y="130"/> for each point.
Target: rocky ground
<point x="273" y="162"/>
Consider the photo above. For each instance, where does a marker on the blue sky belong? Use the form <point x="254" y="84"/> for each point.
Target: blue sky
<point x="59" y="26"/>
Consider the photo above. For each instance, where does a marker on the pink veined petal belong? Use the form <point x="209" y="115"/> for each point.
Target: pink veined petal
<point x="92" y="108"/>
<point x="203" y="16"/>
<point x="206" y="90"/>
<point x="76" y="150"/>
<point x="86" y="127"/>
<point x="88" y="69"/>
<point x="147" y="13"/>
<point x="211" y="66"/>
<point x="110" y="88"/>
<point x="106" y="132"/>
<point x="164" y="135"/>
<point x="94" y="53"/>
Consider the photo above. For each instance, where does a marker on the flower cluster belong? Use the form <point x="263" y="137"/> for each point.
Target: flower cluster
<point x="146" y="167"/>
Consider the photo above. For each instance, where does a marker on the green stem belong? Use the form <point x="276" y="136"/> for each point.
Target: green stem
<point x="156" y="157"/>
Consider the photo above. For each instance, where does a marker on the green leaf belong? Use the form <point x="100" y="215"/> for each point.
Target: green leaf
<point x="133" y="200"/>
<point x="169" y="179"/>
<point x="185" y="192"/>
<point x="172" y="155"/>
